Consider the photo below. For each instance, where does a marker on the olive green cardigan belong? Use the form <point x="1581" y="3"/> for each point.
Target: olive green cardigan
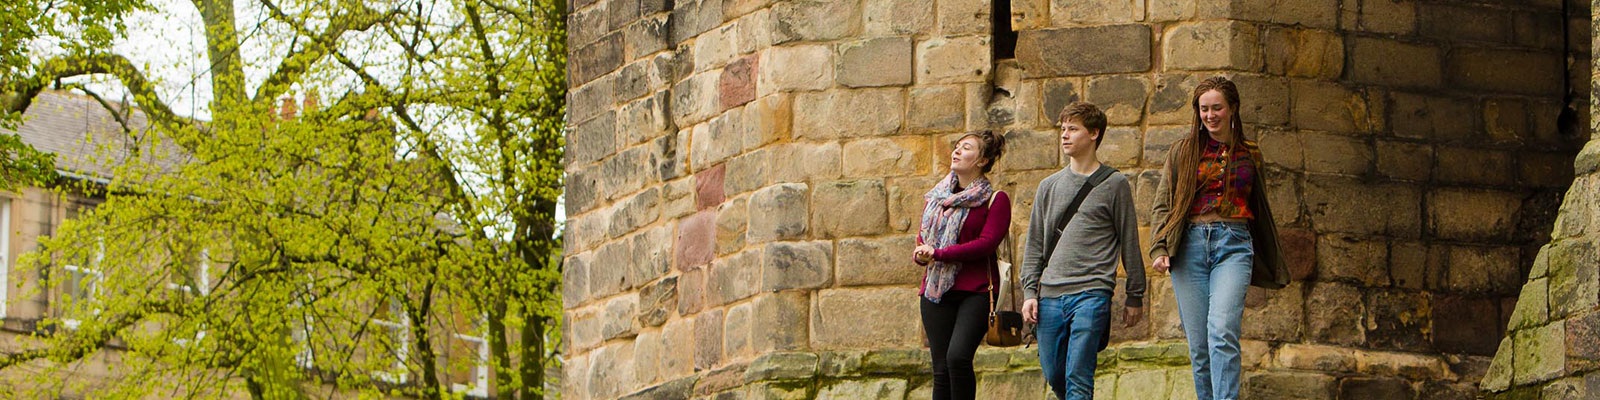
<point x="1269" y="270"/>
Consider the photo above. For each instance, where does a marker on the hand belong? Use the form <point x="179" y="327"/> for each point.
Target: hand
<point x="1131" y="316"/>
<point x="1030" y="311"/>
<point x="1161" y="264"/>
<point x="923" y="253"/>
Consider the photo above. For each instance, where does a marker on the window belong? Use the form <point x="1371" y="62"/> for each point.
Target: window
<point x="83" y="277"/>
<point x="392" y="322"/>
<point x="472" y="381"/>
<point x="1005" y="38"/>
<point x="192" y="279"/>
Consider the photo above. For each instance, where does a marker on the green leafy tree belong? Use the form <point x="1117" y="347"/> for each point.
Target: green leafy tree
<point x="385" y="243"/>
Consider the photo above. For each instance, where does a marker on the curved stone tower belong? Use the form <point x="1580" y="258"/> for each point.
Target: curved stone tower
<point x="745" y="177"/>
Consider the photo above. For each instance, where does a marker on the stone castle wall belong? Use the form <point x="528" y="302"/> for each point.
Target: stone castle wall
<point x="745" y="177"/>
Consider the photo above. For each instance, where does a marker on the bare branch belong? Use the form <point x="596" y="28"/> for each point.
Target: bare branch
<point x="20" y="94"/>
<point x="295" y="65"/>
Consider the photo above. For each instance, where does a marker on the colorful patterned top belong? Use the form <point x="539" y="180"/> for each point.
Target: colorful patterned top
<point x="1218" y="166"/>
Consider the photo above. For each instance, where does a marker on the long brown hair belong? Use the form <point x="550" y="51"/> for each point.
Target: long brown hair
<point x="1183" y="158"/>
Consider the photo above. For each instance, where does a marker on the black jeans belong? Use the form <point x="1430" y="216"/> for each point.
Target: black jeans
<point x="954" y="327"/>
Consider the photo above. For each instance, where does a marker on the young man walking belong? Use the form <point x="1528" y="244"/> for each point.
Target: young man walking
<point x="1082" y="222"/>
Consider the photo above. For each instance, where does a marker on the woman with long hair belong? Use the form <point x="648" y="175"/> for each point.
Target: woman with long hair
<point x="963" y="222"/>
<point x="1214" y="229"/>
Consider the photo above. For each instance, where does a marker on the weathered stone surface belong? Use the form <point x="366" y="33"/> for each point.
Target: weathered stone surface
<point x="1316" y="358"/>
<point x="619" y="319"/>
<point x="1121" y="97"/>
<point x="644" y="119"/>
<point x="879" y="157"/>
<point x="849" y="113"/>
<point x="1079" y="51"/>
<point x="1481" y="269"/>
<point x="782" y="366"/>
<point x="867" y="304"/>
<point x="796" y="265"/>
<point x="936" y="109"/>
<point x="676" y="389"/>
<point x="1476" y="215"/>
<point x="897" y="17"/>
<point x="736" y="332"/>
<point x="716" y="141"/>
<point x="876" y="261"/>
<point x="1473" y="166"/>
<point x="958" y="59"/>
<point x="734" y="8"/>
<point x="1498" y="377"/>
<point x="1121" y="147"/>
<point x="755" y="30"/>
<point x="692" y="290"/>
<point x="697" y="240"/>
<point x="1393" y="63"/>
<point x="1287" y="385"/>
<point x="596" y="59"/>
<point x="1158" y="140"/>
<point x="694" y="100"/>
<point x="1464" y="324"/>
<point x="1512" y="71"/>
<point x="1312" y="13"/>
<point x="657" y="301"/>
<point x="884" y="61"/>
<point x="1026" y="150"/>
<point x="747" y="172"/>
<point x="807" y="162"/>
<point x="575" y="280"/>
<point x="611" y="364"/>
<point x="1142" y="384"/>
<point x="866" y="200"/>
<point x="1096" y="12"/>
<point x="1334" y="314"/>
<point x="690" y="18"/>
<point x="1202" y="46"/>
<point x="737" y="84"/>
<point x="708" y="187"/>
<point x="778" y="212"/>
<point x="1583" y="351"/>
<point x="1305" y="53"/>
<point x="708" y="339"/>
<point x="608" y="275"/>
<point x="647" y="36"/>
<point x="1375" y="388"/>
<point x="896" y="360"/>
<point x="768" y="120"/>
<point x="1353" y="260"/>
<point x="906" y="203"/>
<point x="652" y="255"/>
<point x="842" y="363"/>
<point x="1328" y="107"/>
<point x="1398" y="320"/>
<point x="733" y="278"/>
<point x="1463" y="23"/>
<point x="1337" y="154"/>
<point x="592" y="140"/>
<point x="873" y="389"/>
<point x="1574" y="284"/>
<point x="780" y="322"/>
<point x="815" y="20"/>
<point x="1056" y="94"/>
<point x="1436" y="118"/>
<point x="1394" y="17"/>
<point x="1346" y="205"/>
<point x="1275" y="315"/>
<point x="1268" y="100"/>
<point x="957" y="17"/>
<point x="1539" y="354"/>
<point x="1404" y="161"/>
<point x="1016" y="385"/>
<point x="799" y="67"/>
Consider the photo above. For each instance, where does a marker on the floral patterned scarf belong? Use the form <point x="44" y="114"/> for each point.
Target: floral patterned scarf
<point x="941" y="227"/>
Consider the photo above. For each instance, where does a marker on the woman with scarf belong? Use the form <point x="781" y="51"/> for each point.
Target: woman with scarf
<point x="962" y="225"/>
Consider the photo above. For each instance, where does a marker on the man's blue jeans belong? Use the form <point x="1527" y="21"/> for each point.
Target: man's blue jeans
<point x="1072" y="330"/>
<point x="1209" y="278"/>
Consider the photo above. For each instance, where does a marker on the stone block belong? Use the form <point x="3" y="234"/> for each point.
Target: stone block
<point x="1539" y="354"/>
<point x="590" y="100"/>
<point x="1121" y="97"/>
<point x="889" y="388"/>
<point x="1466" y="324"/>
<point x="1316" y="358"/>
<point x="737" y="83"/>
<point x="1212" y="45"/>
<point x="592" y="140"/>
<point x="620" y="317"/>
<point x="815" y="20"/>
<point x="690" y="18"/>
<point x="608" y="274"/>
<point x="708" y="185"/>
<point x="1393" y="63"/>
<point x="802" y="67"/>
<point x="652" y="255"/>
<point x="657" y="301"/>
<point x="1287" y="385"/>
<point x="645" y="37"/>
<point x="1016" y="385"/>
<point x="1473" y="166"/>
<point x="587" y="26"/>
<point x="1545" y="170"/>
<point x="884" y="61"/>
<point x="644" y="119"/>
<point x="647" y="351"/>
<point x="1337" y="154"/>
<point x="696" y="243"/>
<point x="1337" y="204"/>
<point x="807" y="162"/>
<point x="735" y="8"/>
<point x="582" y="194"/>
<point x="778" y="212"/>
<point x="897" y="17"/>
<point x="1464" y="23"/>
<point x="1574" y="282"/>
<point x="906" y="203"/>
<point x="961" y="17"/>
<point x="1142" y="384"/>
<point x="878" y="157"/>
<point x="733" y="278"/>
<point x="1510" y="71"/>
<point x="1351" y="259"/>
<point x="1329" y="107"/>
<point x="780" y="322"/>
<point x="1068" y="13"/>
<point x="1265" y="98"/>
<point x="708" y="339"/>
<point x="747" y="172"/>
<point x="671" y="156"/>
<point x="611" y="364"/>
<point x="866" y="304"/>
<point x="1121" y="147"/>
<point x="936" y="109"/>
<point x="1321" y="14"/>
<point x="695" y="100"/>
<point x="1026" y="150"/>
<point x="575" y="280"/>
<point x="1304" y="53"/>
<point x="866" y="200"/>
<point x="1334" y="314"/>
<point x="1275" y="315"/>
<point x="953" y="59"/>
<point x="1391" y="17"/>
<point x="595" y="59"/>
<point x="736" y="332"/>
<point x="1435" y="118"/>
<point x="1404" y="160"/>
<point x="1375" y="388"/>
<point x="1082" y="51"/>
<point x="1481" y="269"/>
<point x="774" y="366"/>
<point x="1472" y="215"/>
<point x="1582" y="350"/>
<point x="1398" y="320"/>
<point x="796" y="265"/>
<point x="849" y="113"/>
<point x="1157" y="140"/>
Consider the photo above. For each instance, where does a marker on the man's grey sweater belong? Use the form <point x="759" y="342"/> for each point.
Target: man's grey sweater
<point x="1085" y="257"/>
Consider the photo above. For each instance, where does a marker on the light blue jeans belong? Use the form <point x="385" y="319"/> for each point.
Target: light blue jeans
<point x="1072" y="330"/>
<point x="1209" y="277"/>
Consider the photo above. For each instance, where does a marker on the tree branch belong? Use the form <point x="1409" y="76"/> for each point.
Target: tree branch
<point x="20" y="93"/>
<point x="295" y="65"/>
<point x="85" y="342"/>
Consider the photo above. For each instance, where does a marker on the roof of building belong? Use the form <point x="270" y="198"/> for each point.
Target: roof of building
<point x="85" y="137"/>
